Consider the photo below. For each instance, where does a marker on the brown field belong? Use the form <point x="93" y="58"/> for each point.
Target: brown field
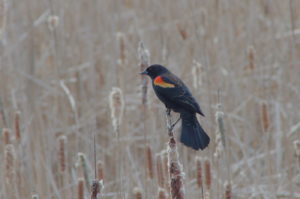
<point x="59" y="62"/>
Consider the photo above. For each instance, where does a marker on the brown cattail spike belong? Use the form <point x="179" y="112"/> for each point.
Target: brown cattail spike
<point x="227" y="194"/>
<point x="17" y="126"/>
<point x="160" y="172"/>
<point x="116" y="103"/>
<point x="162" y="193"/>
<point x="80" y="188"/>
<point x="297" y="150"/>
<point x="199" y="172"/>
<point x="251" y="58"/>
<point x="137" y="193"/>
<point x="265" y="117"/>
<point x="96" y="189"/>
<point x="6" y="136"/>
<point x="149" y="163"/>
<point x="10" y="163"/>
<point x="207" y="174"/>
<point x="62" y="140"/>
<point x="100" y="170"/>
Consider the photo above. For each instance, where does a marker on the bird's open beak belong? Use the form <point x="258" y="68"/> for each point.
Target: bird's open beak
<point x="144" y="73"/>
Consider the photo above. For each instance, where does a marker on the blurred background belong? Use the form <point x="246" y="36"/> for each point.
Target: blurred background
<point x="59" y="62"/>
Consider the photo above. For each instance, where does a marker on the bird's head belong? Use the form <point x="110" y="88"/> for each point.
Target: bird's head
<point x="155" y="70"/>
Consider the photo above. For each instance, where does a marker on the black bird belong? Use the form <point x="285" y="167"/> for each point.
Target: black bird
<point x="177" y="97"/>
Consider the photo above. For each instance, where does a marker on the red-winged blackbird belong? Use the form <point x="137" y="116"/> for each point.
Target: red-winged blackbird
<point x="177" y="97"/>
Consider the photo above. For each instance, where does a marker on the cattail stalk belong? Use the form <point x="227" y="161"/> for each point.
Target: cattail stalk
<point x="207" y="169"/>
<point x="80" y="188"/>
<point x="149" y="162"/>
<point x="137" y="193"/>
<point x="251" y="58"/>
<point x="175" y="168"/>
<point x="265" y="117"/>
<point x="17" y="126"/>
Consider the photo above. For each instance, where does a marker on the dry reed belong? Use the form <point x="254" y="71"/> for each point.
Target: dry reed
<point x="297" y="150"/>
<point x="162" y="193"/>
<point x="100" y="173"/>
<point x="10" y="163"/>
<point x="159" y="171"/>
<point x="83" y="164"/>
<point x="199" y="172"/>
<point x="116" y="103"/>
<point x="251" y="58"/>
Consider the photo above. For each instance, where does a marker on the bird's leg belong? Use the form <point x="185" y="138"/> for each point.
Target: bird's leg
<point x="174" y="124"/>
<point x="168" y="112"/>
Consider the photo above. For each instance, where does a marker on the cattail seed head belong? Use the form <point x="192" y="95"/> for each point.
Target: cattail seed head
<point x="10" y="163"/>
<point x="53" y="22"/>
<point x="17" y="126"/>
<point x="160" y="171"/>
<point x="137" y="192"/>
<point x="96" y="189"/>
<point x="121" y="41"/>
<point x="251" y="58"/>
<point x="227" y="194"/>
<point x="265" y="117"/>
<point x="100" y="170"/>
<point x="35" y="196"/>
<point x="220" y="122"/>
<point x="199" y="172"/>
<point x="80" y="188"/>
<point x="3" y="15"/>
<point x="82" y="162"/>
<point x="6" y="136"/>
<point x="149" y="162"/>
<point x="207" y="169"/>
<point x="297" y="150"/>
<point x="162" y="193"/>
<point x="197" y="72"/>
<point x="62" y="140"/>
<point x="116" y="103"/>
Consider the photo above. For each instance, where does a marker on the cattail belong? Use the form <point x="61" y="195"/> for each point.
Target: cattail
<point x="149" y="163"/>
<point x="96" y="189"/>
<point x="220" y="122"/>
<point x="162" y="193"/>
<point x="160" y="172"/>
<point x="219" y="146"/>
<point x="144" y="56"/>
<point x="251" y="58"/>
<point x="207" y="174"/>
<point x="35" y="196"/>
<point x="121" y="41"/>
<point x="197" y="74"/>
<point x="137" y="192"/>
<point x="199" y="172"/>
<point x="17" y="126"/>
<point x="100" y="170"/>
<point x="227" y="194"/>
<point x="6" y="136"/>
<point x="82" y="161"/>
<point x="10" y="163"/>
<point x="62" y="140"/>
<point x="265" y="117"/>
<point x="297" y="150"/>
<point x="3" y="15"/>
<point x="53" y="22"/>
<point x="80" y="188"/>
<point x="116" y="104"/>
<point x="182" y="32"/>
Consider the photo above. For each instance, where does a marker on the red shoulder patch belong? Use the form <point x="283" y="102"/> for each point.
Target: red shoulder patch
<point x="158" y="81"/>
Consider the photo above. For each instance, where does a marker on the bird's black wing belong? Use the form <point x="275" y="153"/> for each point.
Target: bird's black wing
<point x="180" y="94"/>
